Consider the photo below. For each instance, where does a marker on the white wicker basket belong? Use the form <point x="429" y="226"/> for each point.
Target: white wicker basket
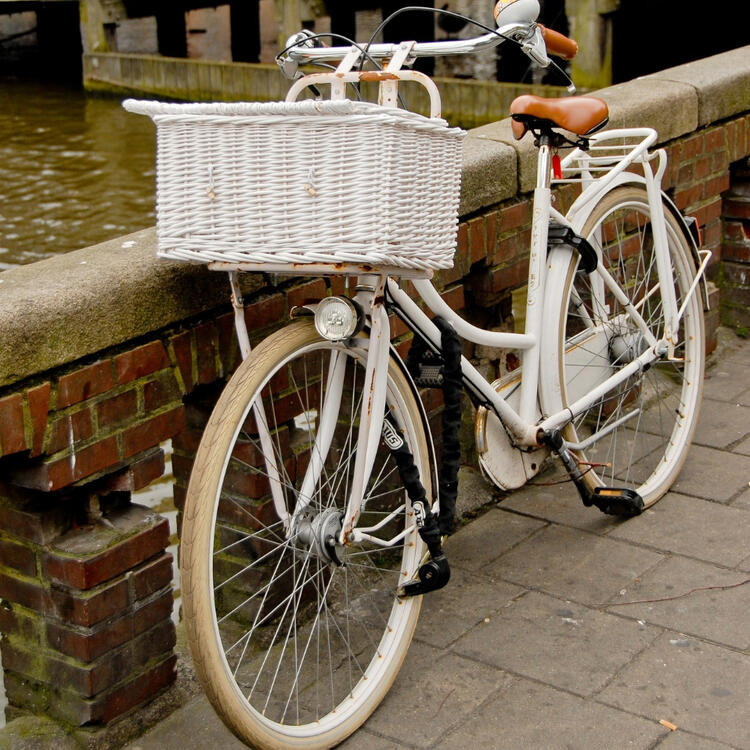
<point x="305" y="182"/>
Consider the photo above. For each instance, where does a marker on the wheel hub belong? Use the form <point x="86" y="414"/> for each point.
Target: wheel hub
<point x="320" y="534"/>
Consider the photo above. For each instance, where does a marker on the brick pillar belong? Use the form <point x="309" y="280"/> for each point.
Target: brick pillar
<point x="86" y="616"/>
<point x="735" y="276"/>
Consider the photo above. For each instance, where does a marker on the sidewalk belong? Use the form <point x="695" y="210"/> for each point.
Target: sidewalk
<point x="533" y="644"/>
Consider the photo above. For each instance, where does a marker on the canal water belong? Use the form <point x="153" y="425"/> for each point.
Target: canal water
<point x="75" y="170"/>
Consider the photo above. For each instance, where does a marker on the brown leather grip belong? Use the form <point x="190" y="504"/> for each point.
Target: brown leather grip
<point x="558" y="44"/>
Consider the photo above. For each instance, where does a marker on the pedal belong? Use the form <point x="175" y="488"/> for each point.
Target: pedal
<point x="431" y="576"/>
<point x="615" y="501"/>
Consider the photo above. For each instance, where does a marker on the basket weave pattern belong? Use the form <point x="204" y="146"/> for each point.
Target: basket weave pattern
<point x="305" y="182"/>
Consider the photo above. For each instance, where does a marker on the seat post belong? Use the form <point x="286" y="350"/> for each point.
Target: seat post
<point x="543" y="167"/>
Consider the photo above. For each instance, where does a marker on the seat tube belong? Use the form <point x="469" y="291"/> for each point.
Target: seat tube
<point x="536" y="283"/>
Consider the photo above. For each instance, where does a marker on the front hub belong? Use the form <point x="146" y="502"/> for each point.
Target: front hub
<point x="320" y="535"/>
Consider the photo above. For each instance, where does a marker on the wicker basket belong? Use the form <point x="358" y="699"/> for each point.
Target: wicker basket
<point x="305" y="182"/>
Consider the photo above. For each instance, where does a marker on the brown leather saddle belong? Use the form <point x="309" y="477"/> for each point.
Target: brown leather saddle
<point x="582" y="115"/>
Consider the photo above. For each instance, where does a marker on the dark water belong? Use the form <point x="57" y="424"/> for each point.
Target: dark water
<point x="75" y="170"/>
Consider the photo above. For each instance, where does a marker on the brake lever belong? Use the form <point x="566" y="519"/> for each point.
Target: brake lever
<point x="535" y="48"/>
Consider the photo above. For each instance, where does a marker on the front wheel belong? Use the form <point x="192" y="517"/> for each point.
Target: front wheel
<point x="637" y="435"/>
<point x="295" y="637"/>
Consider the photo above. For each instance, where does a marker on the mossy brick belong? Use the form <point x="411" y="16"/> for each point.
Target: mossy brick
<point x="153" y="431"/>
<point x="117" y="411"/>
<point x="162" y="391"/>
<point x="19" y="557"/>
<point x="84" y="383"/>
<point x="144" y="470"/>
<point x="90" y="607"/>
<point x="229" y="350"/>
<point x="28" y="592"/>
<point x="38" y="399"/>
<point x="12" y="428"/>
<point x="181" y="346"/>
<point x="26" y="624"/>
<point x="85" y="557"/>
<point x="87" y="644"/>
<point x="39" y="521"/>
<point x="142" y="360"/>
<point x="69" y="430"/>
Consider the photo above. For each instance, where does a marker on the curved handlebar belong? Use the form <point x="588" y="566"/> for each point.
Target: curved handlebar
<point x="559" y="44"/>
<point x="302" y="54"/>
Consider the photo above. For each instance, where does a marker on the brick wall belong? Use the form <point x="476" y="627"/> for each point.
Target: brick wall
<point x="84" y="575"/>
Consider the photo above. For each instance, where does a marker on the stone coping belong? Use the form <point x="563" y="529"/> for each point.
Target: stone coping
<point x="69" y="307"/>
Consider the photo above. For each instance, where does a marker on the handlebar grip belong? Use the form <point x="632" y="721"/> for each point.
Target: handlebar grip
<point x="559" y="44"/>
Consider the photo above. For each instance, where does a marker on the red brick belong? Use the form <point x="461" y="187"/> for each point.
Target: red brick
<point x="492" y="222"/>
<point x="736" y="207"/>
<point x="708" y="212"/>
<point x="137" y="691"/>
<point x="151" y="433"/>
<point x="477" y="239"/>
<point x="18" y="557"/>
<point x="308" y="291"/>
<point x="38" y="399"/>
<point x="266" y="311"/>
<point x="87" y="609"/>
<point x="151" y="576"/>
<point x="719" y="162"/>
<point x="88" y="644"/>
<point x="515" y="216"/>
<point x="84" y="383"/>
<point x="206" y="350"/>
<point x="462" y="240"/>
<point x="514" y="246"/>
<point x="118" y="410"/>
<point x="702" y="168"/>
<point x="691" y="147"/>
<point x="139" y="474"/>
<point x="454" y="298"/>
<point x="229" y="350"/>
<point x="71" y="428"/>
<point x="716" y="186"/>
<point x="39" y="526"/>
<point x="84" y="571"/>
<point x="715" y="139"/>
<point x="142" y="361"/>
<point x="182" y="349"/>
<point x="12" y="435"/>
<point x="688" y="197"/>
<point x="95" y="458"/>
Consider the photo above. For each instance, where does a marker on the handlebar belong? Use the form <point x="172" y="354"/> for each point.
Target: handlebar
<point x="558" y="44"/>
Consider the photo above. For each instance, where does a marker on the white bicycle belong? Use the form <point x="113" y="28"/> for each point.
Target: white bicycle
<point x="316" y="507"/>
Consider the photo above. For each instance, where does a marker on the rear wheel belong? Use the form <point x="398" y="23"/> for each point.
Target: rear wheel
<point x="636" y="436"/>
<point x="296" y="639"/>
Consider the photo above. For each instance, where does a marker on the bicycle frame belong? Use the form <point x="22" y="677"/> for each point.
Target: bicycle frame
<point x="524" y="425"/>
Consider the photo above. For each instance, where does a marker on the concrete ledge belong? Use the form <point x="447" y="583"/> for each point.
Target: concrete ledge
<point x="68" y="307"/>
<point x="721" y="83"/>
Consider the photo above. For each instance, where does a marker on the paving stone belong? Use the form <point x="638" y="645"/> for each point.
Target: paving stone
<point x="430" y="680"/>
<point x="720" y="424"/>
<point x="559" y="504"/>
<point x="570" y="563"/>
<point x="467" y="599"/>
<point x="364" y="740"/>
<point x="742" y="447"/>
<point x="712" y="474"/>
<point x="695" y="685"/>
<point x="692" y="527"/>
<point x="487" y="537"/>
<point x="194" y="725"/>
<point x="725" y="383"/>
<point x="560" y="721"/>
<point x="681" y="740"/>
<point x="708" y="614"/>
<point x="563" y="644"/>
